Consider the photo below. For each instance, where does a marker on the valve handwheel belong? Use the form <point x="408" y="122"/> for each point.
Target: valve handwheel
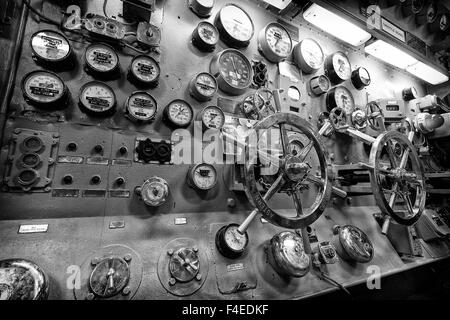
<point x="400" y="178"/>
<point x="375" y="117"/>
<point x="338" y="119"/>
<point x="294" y="172"/>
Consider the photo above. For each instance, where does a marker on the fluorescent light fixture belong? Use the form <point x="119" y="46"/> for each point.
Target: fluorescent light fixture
<point x="336" y="25"/>
<point x="427" y="73"/>
<point x="279" y="4"/>
<point x="390" y="54"/>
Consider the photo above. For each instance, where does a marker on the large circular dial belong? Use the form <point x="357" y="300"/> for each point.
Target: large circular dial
<point x="235" y="26"/>
<point x="341" y="97"/>
<point x="50" y="47"/>
<point x="101" y="59"/>
<point x="178" y="113"/>
<point x="97" y="98"/>
<point x="308" y="55"/>
<point x="205" y="36"/>
<point x="145" y="70"/>
<point x="274" y="42"/>
<point x="232" y="70"/>
<point x="203" y="87"/>
<point x="212" y="117"/>
<point x="230" y="242"/>
<point x="141" y="107"/>
<point x="202" y="176"/>
<point x="338" y="67"/>
<point x="44" y="88"/>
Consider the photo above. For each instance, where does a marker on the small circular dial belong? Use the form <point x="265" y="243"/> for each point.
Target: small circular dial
<point x="43" y="88"/>
<point x="145" y="70"/>
<point x="178" y="113"/>
<point x="320" y="85"/>
<point x="338" y="67"/>
<point x="275" y="42"/>
<point x="141" y="106"/>
<point x="341" y="97"/>
<point x="235" y="25"/>
<point x="361" y="78"/>
<point x="212" y="117"/>
<point x="50" y="46"/>
<point x="154" y="191"/>
<point x="230" y="242"/>
<point x="203" y="86"/>
<point x="101" y="58"/>
<point x="233" y="71"/>
<point x="202" y="176"/>
<point x="97" y="98"/>
<point x="205" y="36"/>
<point x="308" y="55"/>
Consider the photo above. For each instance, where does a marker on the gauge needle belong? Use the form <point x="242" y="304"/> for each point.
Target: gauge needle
<point x="234" y="66"/>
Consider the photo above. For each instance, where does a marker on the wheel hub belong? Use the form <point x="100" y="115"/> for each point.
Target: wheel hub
<point x="295" y="169"/>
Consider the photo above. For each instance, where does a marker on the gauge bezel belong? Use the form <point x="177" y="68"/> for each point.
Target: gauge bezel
<point x="198" y="41"/>
<point x="331" y="99"/>
<point x="201" y="114"/>
<point x="265" y="48"/>
<point x="168" y="119"/>
<point x="62" y="100"/>
<point x="133" y="77"/>
<point x="315" y="85"/>
<point x="225" y="36"/>
<point x="191" y="179"/>
<point x="193" y="91"/>
<point x="331" y="72"/>
<point x="224" y="85"/>
<point x="222" y="246"/>
<point x="147" y="184"/>
<point x="300" y="60"/>
<point x="39" y="58"/>
<point x="90" y="68"/>
<point x="130" y="114"/>
<point x="357" y="80"/>
<point x="88" y="110"/>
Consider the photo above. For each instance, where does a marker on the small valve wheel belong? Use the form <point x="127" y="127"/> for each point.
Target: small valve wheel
<point x="338" y="119"/>
<point x="375" y="117"/>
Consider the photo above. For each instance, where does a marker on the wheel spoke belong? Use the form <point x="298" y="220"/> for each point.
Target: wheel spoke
<point x="297" y="203"/>
<point x="408" y="204"/>
<point x="391" y="155"/>
<point x="274" y="188"/>
<point x="284" y="140"/>
<point x="315" y="180"/>
<point x="305" y="151"/>
<point x="393" y="195"/>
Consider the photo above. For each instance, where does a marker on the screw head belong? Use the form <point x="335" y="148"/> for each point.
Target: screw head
<point x="126" y="291"/>
<point x="98" y="148"/>
<point x="95" y="261"/>
<point x="172" y="281"/>
<point x="195" y="249"/>
<point x="123" y="150"/>
<point x="127" y="257"/>
<point x="170" y="252"/>
<point x="198" y="277"/>
<point x="95" y="179"/>
<point x="68" y="179"/>
<point x="90" y="296"/>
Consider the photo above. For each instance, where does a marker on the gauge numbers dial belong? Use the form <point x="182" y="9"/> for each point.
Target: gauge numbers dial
<point x="205" y="36"/>
<point x="203" y="176"/>
<point x="308" y="55"/>
<point x="230" y="242"/>
<point x="97" y="98"/>
<point x="101" y="58"/>
<point x="141" y="107"/>
<point x="203" y="86"/>
<point x="274" y="42"/>
<point x="50" y="46"/>
<point x="338" y="67"/>
<point x="212" y="117"/>
<point x="43" y="88"/>
<point x="235" y="26"/>
<point x="341" y="97"/>
<point x="178" y="113"/>
<point x="145" y="70"/>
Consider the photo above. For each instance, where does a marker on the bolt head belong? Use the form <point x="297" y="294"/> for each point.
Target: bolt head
<point x="90" y="296"/>
<point x="95" y="261"/>
<point x="127" y="257"/>
<point x="195" y="249"/>
<point x="170" y="252"/>
<point x="198" y="277"/>
<point x="172" y="281"/>
<point x="126" y="291"/>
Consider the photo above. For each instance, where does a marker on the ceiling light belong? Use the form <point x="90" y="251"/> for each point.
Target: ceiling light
<point x="390" y="54"/>
<point x="427" y="73"/>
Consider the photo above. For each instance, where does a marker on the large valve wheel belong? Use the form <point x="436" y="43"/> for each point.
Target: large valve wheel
<point x="399" y="183"/>
<point x="293" y="174"/>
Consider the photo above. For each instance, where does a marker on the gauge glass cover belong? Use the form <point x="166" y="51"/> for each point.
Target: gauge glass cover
<point x="237" y="22"/>
<point x="341" y="66"/>
<point x="97" y="97"/>
<point x="180" y="113"/>
<point x="344" y="99"/>
<point x="50" y="45"/>
<point x="208" y="33"/>
<point x="279" y="40"/>
<point x="235" y="69"/>
<point x="312" y="53"/>
<point x="204" y="176"/>
<point x="43" y="87"/>
<point x="234" y="240"/>
<point x="101" y="58"/>
<point x="142" y="106"/>
<point x="145" y="69"/>
<point x="206" y="84"/>
<point x="213" y="117"/>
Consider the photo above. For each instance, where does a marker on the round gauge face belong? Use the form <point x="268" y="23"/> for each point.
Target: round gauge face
<point x="364" y="76"/>
<point x="279" y="40"/>
<point x="344" y="99"/>
<point x="145" y="69"/>
<point x="180" y="113"/>
<point x="294" y="94"/>
<point x="204" y="176"/>
<point x="234" y="240"/>
<point x="295" y="147"/>
<point x="236" y="22"/>
<point x="341" y="66"/>
<point x="141" y="106"/>
<point x="312" y="53"/>
<point x="213" y="117"/>
<point x="154" y="191"/>
<point x="101" y="58"/>
<point x="206" y="84"/>
<point x="208" y="33"/>
<point x="235" y="69"/>
<point x="324" y="83"/>
<point x="50" y="46"/>
<point x="97" y="97"/>
<point x="43" y="87"/>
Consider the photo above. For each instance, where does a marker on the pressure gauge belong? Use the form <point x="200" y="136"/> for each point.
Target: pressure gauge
<point x="341" y="97"/>
<point x="154" y="191"/>
<point x="51" y="48"/>
<point x="360" y="78"/>
<point x="205" y="36"/>
<point x="308" y="55"/>
<point x="320" y="85"/>
<point x="144" y="70"/>
<point x="338" y="67"/>
<point x="212" y="117"/>
<point x="232" y="70"/>
<point x="409" y="94"/>
<point x="230" y="242"/>
<point x="178" y="113"/>
<point x="274" y="42"/>
<point x="141" y="107"/>
<point x="203" y="87"/>
<point x="235" y="26"/>
<point x="45" y="89"/>
<point x="202" y="176"/>
<point x="97" y="98"/>
<point x="101" y="59"/>
<point x="202" y="8"/>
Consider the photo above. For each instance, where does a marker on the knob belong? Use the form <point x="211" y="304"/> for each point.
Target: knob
<point x="68" y="179"/>
<point x="72" y="146"/>
<point x="123" y="150"/>
<point x="120" y="181"/>
<point x="95" y="179"/>
<point x="98" y="148"/>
